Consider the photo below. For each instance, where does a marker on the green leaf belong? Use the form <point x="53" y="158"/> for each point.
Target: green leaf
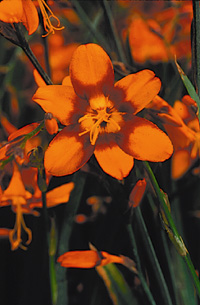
<point x="117" y="287"/>
<point x="190" y="88"/>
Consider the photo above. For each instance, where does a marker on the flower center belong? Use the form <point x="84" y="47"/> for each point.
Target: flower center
<point x="101" y="118"/>
<point x="47" y="14"/>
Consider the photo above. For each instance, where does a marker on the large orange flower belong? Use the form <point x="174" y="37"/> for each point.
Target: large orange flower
<point x="100" y="117"/>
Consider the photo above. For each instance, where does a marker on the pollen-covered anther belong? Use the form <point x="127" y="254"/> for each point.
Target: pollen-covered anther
<point x="47" y="15"/>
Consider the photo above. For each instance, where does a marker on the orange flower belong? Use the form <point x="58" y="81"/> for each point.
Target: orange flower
<point x="182" y="126"/>
<point x="87" y="259"/>
<point x="165" y="34"/>
<point x="14" y="11"/>
<point x="17" y="144"/>
<point x="23" y="202"/>
<point x="100" y="117"/>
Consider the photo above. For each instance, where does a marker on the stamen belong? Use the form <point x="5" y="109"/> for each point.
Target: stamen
<point x="17" y="230"/>
<point x="48" y="26"/>
<point x="92" y="123"/>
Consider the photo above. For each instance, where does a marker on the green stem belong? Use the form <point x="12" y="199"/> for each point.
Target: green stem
<point x="196" y="43"/>
<point x="46" y="227"/>
<point x="89" y="24"/>
<point x="108" y="12"/>
<point x="67" y="221"/>
<point x="172" y="226"/>
<point x="153" y="258"/>
<point x="138" y="265"/>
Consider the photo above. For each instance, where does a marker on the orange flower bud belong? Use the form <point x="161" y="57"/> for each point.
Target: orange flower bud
<point x="51" y="123"/>
<point x="87" y="259"/>
<point x="137" y="193"/>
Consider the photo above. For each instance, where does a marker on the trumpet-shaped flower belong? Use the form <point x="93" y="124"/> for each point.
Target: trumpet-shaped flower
<point x="15" y="11"/>
<point x="24" y="202"/>
<point x="182" y="126"/>
<point x="100" y="117"/>
<point x="87" y="259"/>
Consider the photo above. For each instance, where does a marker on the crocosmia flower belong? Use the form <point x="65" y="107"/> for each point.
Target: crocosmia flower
<point x="100" y="117"/>
<point x="14" y="11"/>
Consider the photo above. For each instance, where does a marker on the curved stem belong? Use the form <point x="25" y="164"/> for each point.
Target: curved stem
<point x="172" y="226"/>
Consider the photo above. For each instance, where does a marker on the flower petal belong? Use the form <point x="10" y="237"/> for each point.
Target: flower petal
<point x="16" y="187"/>
<point x="91" y="71"/>
<point x="181" y="162"/>
<point x="87" y="259"/>
<point x="145" y="141"/>
<point x="23" y="131"/>
<point x="138" y="89"/>
<point x="113" y="160"/>
<point x="11" y="11"/>
<point x="59" y="195"/>
<point x="30" y="18"/>
<point x="137" y="193"/>
<point x="60" y="100"/>
<point x="67" y="153"/>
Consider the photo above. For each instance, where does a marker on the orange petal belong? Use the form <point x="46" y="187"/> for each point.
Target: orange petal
<point x="180" y="136"/>
<point x="23" y="131"/>
<point x="91" y="71"/>
<point x="51" y="126"/>
<point x="113" y="160"/>
<point x="10" y="128"/>
<point x="181" y="162"/>
<point x="60" y="100"/>
<point x="145" y="141"/>
<point x="59" y="195"/>
<point x="3" y="151"/>
<point x="67" y="81"/>
<point x="145" y="44"/>
<point x="137" y="193"/>
<point x="67" y="152"/>
<point x="4" y="232"/>
<point x="38" y="79"/>
<point x="16" y="186"/>
<point x="139" y="89"/>
<point x="87" y="259"/>
<point x="31" y="18"/>
<point x="11" y="11"/>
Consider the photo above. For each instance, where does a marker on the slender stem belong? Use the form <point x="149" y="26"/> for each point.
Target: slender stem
<point x="108" y="12"/>
<point x="89" y="24"/>
<point x="27" y="50"/>
<point x="67" y="222"/>
<point x="138" y="265"/>
<point x="196" y="43"/>
<point x="172" y="226"/>
<point x="153" y="258"/>
<point x="46" y="55"/>
<point x="41" y="173"/>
